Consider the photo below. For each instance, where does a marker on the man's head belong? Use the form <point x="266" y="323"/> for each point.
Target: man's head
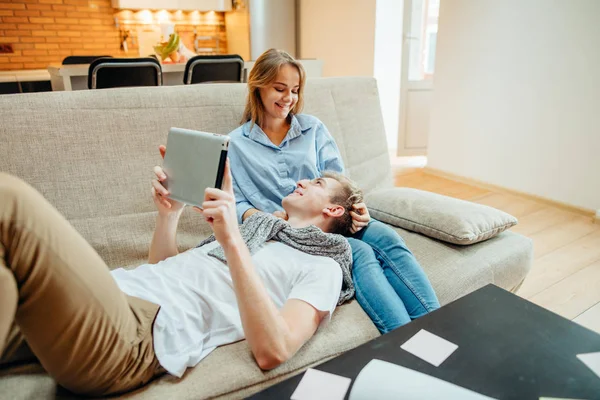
<point x="325" y="202"/>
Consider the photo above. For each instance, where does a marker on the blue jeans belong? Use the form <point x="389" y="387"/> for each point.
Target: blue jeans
<point x="390" y="284"/>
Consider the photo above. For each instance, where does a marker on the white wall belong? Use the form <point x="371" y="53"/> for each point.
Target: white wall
<point x="339" y="32"/>
<point x="272" y="25"/>
<point x="238" y="33"/>
<point x="388" y="62"/>
<point x="517" y="96"/>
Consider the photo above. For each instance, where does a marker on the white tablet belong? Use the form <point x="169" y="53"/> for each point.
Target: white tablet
<point x="194" y="161"/>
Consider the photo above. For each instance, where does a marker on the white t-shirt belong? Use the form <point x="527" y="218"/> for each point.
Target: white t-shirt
<point x="198" y="305"/>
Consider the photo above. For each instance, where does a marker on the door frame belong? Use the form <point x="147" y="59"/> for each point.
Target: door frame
<point x="406" y="86"/>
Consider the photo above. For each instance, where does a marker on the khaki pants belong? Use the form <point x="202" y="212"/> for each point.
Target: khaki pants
<point x="57" y="294"/>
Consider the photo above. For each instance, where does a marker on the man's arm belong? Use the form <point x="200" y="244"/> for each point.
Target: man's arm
<point x="273" y="335"/>
<point x="164" y="239"/>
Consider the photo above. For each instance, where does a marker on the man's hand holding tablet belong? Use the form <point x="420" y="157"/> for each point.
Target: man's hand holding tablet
<point x="160" y="195"/>
<point x="194" y="162"/>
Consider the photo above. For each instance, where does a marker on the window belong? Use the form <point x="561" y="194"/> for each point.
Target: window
<point x="423" y="38"/>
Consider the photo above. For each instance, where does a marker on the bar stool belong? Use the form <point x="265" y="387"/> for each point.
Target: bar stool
<point x="111" y="72"/>
<point x="222" y="68"/>
<point x="80" y="59"/>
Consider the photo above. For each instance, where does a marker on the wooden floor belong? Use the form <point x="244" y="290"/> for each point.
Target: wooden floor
<point x="565" y="277"/>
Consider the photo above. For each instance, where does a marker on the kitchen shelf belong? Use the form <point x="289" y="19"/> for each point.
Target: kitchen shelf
<point x="189" y="23"/>
<point x="174" y="5"/>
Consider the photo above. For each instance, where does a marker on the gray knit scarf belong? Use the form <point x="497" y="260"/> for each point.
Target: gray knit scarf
<point x="261" y="227"/>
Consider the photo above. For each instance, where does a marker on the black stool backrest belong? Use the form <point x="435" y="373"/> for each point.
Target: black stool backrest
<point x="80" y="59"/>
<point x="223" y="68"/>
<point x="111" y="72"/>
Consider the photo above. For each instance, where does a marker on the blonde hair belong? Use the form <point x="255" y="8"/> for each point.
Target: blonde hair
<point x="263" y="74"/>
<point x="348" y="195"/>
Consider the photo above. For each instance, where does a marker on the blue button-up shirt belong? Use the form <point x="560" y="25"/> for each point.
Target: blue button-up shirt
<point x="263" y="173"/>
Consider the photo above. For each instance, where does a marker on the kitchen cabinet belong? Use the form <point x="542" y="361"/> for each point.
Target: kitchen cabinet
<point x="184" y="5"/>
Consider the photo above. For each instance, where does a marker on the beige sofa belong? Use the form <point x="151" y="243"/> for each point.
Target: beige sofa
<point x="91" y="154"/>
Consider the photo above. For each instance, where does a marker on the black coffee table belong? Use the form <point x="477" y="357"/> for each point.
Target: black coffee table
<point x="509" y="348"/>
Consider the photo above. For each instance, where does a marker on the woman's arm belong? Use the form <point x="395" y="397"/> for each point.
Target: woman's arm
<point x="243" y="207"/>
<point x="248" y="213"/>
<point x="328" y="154"/>
<point x="360" y="217"/>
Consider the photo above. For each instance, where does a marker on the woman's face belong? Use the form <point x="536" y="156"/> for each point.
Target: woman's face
<point x="280" y="97"/>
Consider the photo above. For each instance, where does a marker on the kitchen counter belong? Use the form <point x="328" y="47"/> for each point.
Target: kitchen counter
<point x="74" y="77"/>
<point x="82" y="69"/>
<point x="32" y="75"/>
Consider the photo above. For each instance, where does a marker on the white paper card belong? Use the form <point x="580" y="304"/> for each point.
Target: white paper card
<point x="382" y="380"/>
<point x="592" y="360"/>
<point x="429" y="347"/>
<point x="319" y="385"/>
<point x="556" y="398"/>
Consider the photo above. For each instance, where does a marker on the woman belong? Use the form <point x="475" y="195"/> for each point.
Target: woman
<point x="276" y="146"/>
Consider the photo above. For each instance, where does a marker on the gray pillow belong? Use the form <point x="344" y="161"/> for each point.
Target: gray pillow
<point x="440" y="217"/>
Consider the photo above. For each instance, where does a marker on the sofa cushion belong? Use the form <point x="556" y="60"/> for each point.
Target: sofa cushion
<point x="228" y="368"/>
<point x="230" y="373"/>
<point x="503" y="260"/>
<point x="440" y="217"/>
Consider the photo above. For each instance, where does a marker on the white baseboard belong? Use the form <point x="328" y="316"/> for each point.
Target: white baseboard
<point x="588" y="212"/>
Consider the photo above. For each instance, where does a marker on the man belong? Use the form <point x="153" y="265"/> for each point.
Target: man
<point x="99" y="332"/>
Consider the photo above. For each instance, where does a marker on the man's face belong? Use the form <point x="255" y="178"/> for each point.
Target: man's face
<point x="311" y="198"/>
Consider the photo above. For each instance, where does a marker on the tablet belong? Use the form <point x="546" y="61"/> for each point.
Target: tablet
<point x="194" y="161"/>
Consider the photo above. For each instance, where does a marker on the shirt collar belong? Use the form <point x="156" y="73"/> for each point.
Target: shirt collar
<point x="255" y="132"/>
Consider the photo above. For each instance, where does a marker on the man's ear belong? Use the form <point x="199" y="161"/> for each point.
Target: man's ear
<point x="334" y="211"/>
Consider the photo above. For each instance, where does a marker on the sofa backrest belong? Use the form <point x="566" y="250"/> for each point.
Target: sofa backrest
<point x="91" y="153"/>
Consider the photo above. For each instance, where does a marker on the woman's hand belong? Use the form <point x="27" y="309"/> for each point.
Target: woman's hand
<point x="360" y="217"/>
<point x="281" y="214"/>
<point x="164" y="205"/>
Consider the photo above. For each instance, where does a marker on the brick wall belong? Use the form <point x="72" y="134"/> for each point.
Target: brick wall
<point x="44" y="32"/>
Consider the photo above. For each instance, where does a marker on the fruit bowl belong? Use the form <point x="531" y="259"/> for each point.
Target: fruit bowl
<point x="169" y="49"/>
